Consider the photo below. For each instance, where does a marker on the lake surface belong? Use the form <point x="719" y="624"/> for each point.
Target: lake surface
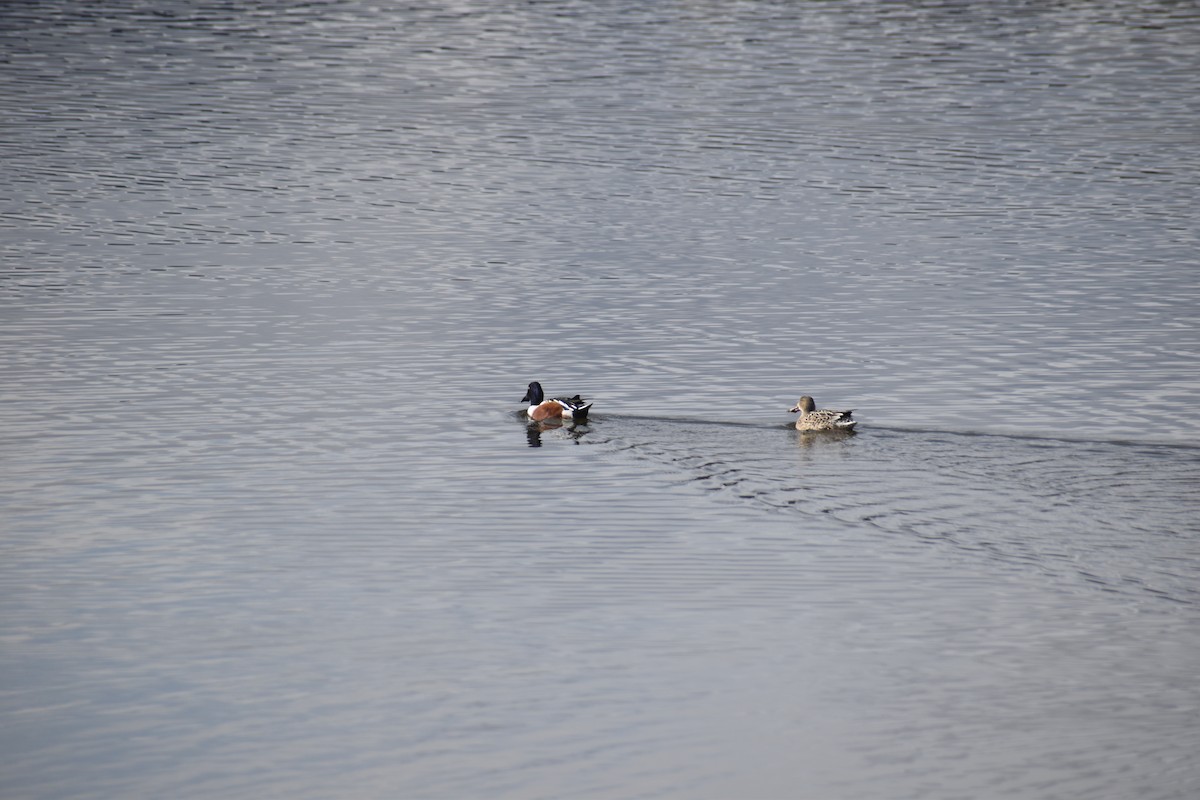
<point x="274" y="279"/>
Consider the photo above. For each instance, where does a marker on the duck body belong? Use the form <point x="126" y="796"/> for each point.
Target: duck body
<point x="821" y="419"/>
<point x="543" y="408"/>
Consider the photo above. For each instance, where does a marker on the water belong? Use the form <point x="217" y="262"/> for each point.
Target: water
<point x="274" y="280"/>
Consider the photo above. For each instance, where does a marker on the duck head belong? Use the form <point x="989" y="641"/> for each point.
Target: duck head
<point x="804" y="404"/>
<point x="534" y="395"/>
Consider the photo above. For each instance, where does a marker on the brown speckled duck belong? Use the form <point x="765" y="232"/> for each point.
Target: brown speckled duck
<point x="821" y="419"/>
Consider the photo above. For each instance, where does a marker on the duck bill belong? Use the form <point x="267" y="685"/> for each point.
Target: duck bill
<point x="794" y="410"/>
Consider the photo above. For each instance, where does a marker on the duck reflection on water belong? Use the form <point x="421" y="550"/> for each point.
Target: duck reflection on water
<point x="824" y="437"/>
<point x="563" y="430"/>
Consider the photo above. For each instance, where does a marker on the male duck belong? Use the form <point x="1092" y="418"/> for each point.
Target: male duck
<point x="823" y="419"/>
<point x="540" y="408"/>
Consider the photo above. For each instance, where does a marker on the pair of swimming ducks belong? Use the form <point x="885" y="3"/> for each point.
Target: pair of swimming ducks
<point x="543" y="408"/>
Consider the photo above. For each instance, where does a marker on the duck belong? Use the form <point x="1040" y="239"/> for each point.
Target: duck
<point x="821" y="419"/>
<point x="541" y="408"/>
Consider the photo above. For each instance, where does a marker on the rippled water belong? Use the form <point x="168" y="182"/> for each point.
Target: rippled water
<point x="274" y="279"/>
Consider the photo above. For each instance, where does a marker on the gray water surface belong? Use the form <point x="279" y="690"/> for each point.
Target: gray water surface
<point x="273" y="280"/>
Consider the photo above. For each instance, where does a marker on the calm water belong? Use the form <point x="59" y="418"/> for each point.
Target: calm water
<point x="274" y="280"/>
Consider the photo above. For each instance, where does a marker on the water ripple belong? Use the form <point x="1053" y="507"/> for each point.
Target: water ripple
<point x="1077" y="512"/>
<point x="273" y="277"/>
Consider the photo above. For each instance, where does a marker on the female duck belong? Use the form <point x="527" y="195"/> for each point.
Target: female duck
<point x="543" y="408"/>
<point x="821" y="419"/>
